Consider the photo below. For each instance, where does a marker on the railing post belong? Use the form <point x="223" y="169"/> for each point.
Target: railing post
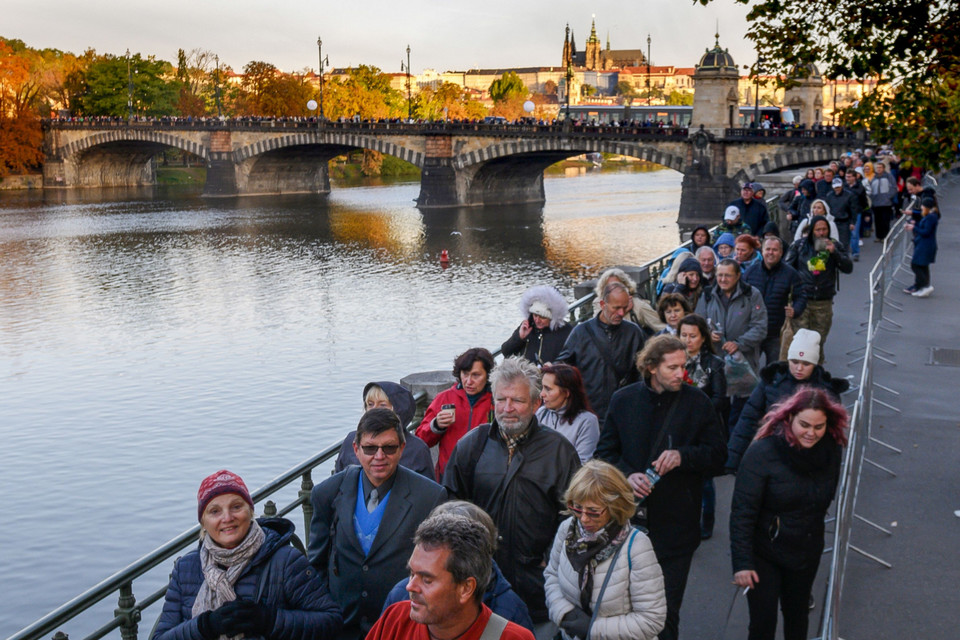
<point x="126" y="609"/>
<point x="60" y="635"/>
<point x="269" y="509"/>
<point x="306" y="488"/>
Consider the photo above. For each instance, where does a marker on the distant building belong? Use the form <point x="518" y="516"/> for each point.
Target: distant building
<point x="596" y="58"/>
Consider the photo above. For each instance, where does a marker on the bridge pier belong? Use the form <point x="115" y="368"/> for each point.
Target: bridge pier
<point x="705" y="188"/>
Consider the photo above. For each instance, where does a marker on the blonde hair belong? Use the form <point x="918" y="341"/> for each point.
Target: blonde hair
<point x="376" y="394"/>
<point x="602" y="483"/>
<point x="620" y="275"/>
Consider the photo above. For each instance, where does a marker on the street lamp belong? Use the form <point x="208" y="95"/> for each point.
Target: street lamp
<point x="216" y="88"/>
<point x="648" y="68"/>
<point x="409" y="99"/>
<point x="129" y="89"/>
<point x="756" y="92"/>
<point x="322" y="62"/>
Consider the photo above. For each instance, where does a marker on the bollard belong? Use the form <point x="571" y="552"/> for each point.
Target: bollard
<point x="431" y="383"/>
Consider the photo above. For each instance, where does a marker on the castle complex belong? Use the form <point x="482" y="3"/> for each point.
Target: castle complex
<point x="594" y="58"/>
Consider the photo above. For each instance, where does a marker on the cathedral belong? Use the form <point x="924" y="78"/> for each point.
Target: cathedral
<point x="596" y="58"/>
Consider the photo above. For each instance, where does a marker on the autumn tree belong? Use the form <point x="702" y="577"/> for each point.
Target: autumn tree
<point x="364" y="92"/>
<point x="677" y="97"/>
<point x="449" y="98"/>
<point x="21" y="85"/>
<point x="910" y="48"/>
<point x="508" y="94"/>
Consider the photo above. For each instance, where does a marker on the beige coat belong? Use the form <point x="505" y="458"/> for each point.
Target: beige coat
<point x="634" y="605"/>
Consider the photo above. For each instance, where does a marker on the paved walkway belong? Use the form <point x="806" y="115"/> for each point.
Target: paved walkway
<point x="918" y="597"/>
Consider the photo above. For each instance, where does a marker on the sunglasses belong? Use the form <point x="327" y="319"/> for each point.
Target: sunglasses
<point x="590" y="513"/>
<point x="371" y="449"/>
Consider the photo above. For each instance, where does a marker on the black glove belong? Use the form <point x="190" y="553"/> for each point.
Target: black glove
<point x="576" y="624"/>
<point x="252" y="619"/>
<point x="213" y="624"/>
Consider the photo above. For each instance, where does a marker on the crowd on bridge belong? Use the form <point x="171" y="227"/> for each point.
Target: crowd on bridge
<point x="574" y="480"/>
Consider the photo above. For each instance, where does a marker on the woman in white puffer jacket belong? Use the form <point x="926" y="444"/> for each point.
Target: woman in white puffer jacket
<point x="596" y="540"/>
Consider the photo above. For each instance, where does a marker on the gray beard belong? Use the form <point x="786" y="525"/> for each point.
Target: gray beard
<point x="513" y="429"/>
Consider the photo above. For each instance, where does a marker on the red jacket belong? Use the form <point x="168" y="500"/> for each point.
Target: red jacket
<point x="467" y="418"/>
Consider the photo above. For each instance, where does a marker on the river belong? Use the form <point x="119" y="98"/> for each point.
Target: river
<point x="149" y="338"/>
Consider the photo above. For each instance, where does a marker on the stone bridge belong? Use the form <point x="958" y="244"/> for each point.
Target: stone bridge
<point x="461" y="164"/>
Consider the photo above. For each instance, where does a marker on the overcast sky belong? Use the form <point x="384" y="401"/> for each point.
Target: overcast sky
<point x="442" y="34"/>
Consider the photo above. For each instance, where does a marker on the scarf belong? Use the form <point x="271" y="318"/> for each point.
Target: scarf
<point x="586" y="550"/>
<point x="222" y="567"/>
<point x="698" y="375"/>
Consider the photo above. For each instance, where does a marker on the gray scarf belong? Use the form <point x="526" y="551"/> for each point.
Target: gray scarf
<point x="221" y="568"/>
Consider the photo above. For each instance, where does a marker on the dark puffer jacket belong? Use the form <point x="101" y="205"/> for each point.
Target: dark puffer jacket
<point x="499" y="596"/>
<point x="291" y="587"/>
<point x="776" y="383"/>
<point x="777" y="285"/>
<point x="780" y="498"/>
<point x="821" y="283"/>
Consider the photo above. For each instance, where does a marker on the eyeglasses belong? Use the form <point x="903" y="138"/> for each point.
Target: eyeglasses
<point x="590" y="513"/>
<point x="371" y="449"/>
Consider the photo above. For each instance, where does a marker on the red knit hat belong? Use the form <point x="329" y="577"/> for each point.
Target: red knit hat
<point x="217" y="484"/>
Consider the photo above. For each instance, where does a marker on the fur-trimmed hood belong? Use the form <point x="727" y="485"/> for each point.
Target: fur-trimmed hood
<point x="551" y="298"/>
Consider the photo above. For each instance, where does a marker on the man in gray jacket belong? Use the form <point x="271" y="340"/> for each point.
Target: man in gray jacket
<point x="738" y="318"/>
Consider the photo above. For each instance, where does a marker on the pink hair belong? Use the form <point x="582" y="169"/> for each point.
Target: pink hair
<point x="778" y="419"/>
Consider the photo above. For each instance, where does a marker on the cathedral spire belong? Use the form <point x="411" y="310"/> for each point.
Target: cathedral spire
<point x="593" y="31"/>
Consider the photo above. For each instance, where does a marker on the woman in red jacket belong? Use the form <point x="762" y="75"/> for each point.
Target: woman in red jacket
<point x="462" y="407"/>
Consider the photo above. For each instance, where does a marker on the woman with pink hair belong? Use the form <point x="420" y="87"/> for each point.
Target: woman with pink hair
<point x="785" y="484"/>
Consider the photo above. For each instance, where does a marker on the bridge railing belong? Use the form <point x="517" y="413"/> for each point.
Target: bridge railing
<point x="783" y="135"/>
<point x="423" y="128"/>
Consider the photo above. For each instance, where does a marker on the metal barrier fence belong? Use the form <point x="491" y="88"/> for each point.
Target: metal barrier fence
<point x="895" y="256"/>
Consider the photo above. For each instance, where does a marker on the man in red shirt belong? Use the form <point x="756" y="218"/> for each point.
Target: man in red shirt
<point x="449" y="570"/>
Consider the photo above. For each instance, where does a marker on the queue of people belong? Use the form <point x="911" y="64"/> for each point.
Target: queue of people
<point x="575" y="479"/>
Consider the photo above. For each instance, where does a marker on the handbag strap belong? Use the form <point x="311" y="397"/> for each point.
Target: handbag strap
<point x="663" y="431"/>
<point x="494" y="629"/>
<point x="606" y="581"/>
<point x="605" y="351"/>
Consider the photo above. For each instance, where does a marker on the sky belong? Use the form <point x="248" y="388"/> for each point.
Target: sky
<point x="442" y="34"/>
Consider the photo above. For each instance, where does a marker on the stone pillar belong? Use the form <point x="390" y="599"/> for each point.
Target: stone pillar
<point x="440" y="185"/>
<point x="705" y="188"/>
<point x="221" y="169"/>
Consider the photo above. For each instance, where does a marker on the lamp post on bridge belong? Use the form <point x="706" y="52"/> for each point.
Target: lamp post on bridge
<point x="648" y="69"/>
<point x="216" y="88"/>
<point x="129" y="89"/>
<point x="756" y="91"/>
<point x="409" y="99"/>
<point x="322" y="62"/>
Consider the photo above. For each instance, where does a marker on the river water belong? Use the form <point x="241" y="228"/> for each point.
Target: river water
<point x="149" y="338"/>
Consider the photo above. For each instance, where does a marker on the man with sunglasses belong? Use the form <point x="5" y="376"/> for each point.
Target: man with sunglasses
<point x="364" y="520"/>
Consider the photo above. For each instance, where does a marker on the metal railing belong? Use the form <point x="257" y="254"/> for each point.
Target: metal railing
<point x="882" y="276"/>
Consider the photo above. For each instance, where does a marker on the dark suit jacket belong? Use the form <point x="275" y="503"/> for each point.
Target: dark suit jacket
<point x="357" y="582"/>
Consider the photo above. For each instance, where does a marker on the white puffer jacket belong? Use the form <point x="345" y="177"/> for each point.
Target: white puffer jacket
<point x="634" y="605"/>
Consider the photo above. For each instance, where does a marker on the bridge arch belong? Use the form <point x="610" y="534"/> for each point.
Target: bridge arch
<point x="784" y="159"/>
<point x="336" y="140"/>
<point x="126" y="135"/>
<point x="554" y="147"/>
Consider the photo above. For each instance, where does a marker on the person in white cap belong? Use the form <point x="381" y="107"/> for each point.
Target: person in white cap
<point x="778" y="381"/>
<point x="731" y="224"/>
<point x="753" y="211"/>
